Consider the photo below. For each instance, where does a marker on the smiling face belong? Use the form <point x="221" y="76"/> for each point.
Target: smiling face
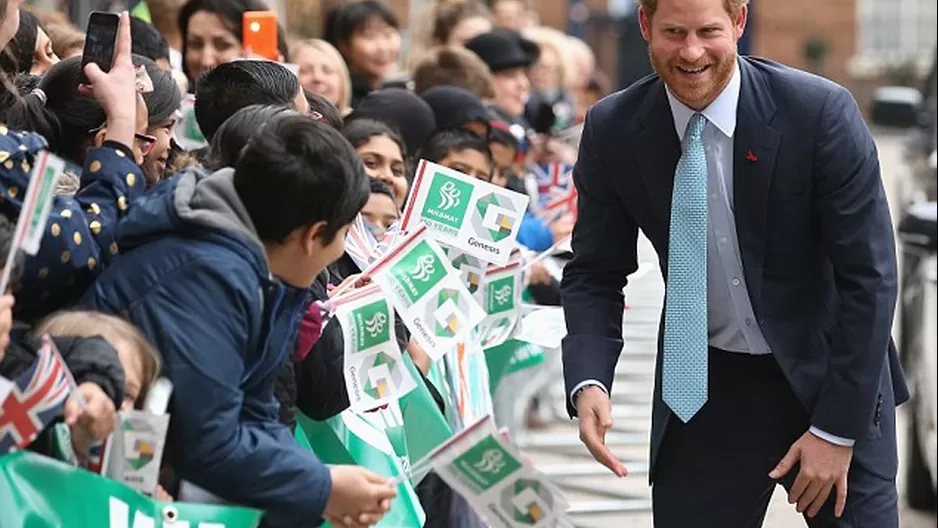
<point x="373" y="51"/>
<point x="692" y="45"/>
<point x="155" y="162"/>
<point x="209" y="43"/>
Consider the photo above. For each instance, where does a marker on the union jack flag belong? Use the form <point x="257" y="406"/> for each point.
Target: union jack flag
<point x="555" y="189"/>
<point x="36" y="400"/>
<point x="360" y="243"/>
<point x="97" y="456"/>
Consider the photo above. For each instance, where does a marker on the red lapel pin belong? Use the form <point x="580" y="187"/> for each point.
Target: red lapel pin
<point x="751" y="157"/>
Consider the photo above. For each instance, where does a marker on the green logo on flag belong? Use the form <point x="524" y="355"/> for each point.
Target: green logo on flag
<point x="470" y="269"/>
<point x="448" y="313"/>
<point x="526" y="501"/>
<point x="418" y="271"/>
<point x="371" y="324"/>
<point x="381" y="376"/>
<point x="447" y="201"/>
<point x="485" y="465"/>
<point x="501" y="295"/>
<point x="494" y="217"/>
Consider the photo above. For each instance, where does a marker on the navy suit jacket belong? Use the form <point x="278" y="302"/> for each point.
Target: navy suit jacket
<point x="815" y="236"/>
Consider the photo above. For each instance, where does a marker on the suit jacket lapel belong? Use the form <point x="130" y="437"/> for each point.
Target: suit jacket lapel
<point x="658" y="150"/>
<point x="755" y="148"/>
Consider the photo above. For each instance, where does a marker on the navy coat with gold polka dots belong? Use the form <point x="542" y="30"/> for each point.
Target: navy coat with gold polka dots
<point x="80" y="232"/>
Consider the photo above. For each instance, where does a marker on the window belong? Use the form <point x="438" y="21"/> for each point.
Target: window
<point x="897" y="30"/>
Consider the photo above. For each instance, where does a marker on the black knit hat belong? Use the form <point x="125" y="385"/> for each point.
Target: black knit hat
<point x="401" y="109"/>
<point x="453" y="106"/>
<point x="503" y="49"/>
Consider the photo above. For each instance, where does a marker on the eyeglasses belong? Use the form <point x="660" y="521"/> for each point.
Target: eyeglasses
<point x="145" y="142"/>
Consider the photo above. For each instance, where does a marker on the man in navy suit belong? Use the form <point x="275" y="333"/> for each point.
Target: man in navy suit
<point x="759" y="187"/>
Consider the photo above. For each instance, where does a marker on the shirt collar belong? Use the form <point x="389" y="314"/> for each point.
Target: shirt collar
<point x="721" y="112"/>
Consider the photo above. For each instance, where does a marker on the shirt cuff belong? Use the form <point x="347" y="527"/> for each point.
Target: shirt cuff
<point x="582" y="385"/>
<point x="834" y="439"/>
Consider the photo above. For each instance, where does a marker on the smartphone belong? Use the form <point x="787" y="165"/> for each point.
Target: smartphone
<point x="259" y="34"/>
<point x="100" y="41"/>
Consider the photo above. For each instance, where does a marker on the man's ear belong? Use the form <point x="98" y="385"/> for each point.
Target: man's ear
<point x="644" y="22"/>
<point x="99" y="136"/>
<point x="313" y="237"/>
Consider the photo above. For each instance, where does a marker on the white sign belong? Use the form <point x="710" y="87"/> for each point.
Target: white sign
<point x="469" y="214"/>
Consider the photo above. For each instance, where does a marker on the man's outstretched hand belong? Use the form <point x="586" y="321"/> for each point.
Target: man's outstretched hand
<point x="595" y="414"/>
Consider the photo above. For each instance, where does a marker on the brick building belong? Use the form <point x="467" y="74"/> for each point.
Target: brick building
<point x="858" y="43"/>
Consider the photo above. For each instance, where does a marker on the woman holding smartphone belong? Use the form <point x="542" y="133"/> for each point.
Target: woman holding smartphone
<point x="212" y="33"/>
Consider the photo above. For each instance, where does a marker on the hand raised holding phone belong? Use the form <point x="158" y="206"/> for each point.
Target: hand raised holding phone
<point x="113" y="85"/>
<point x="260" y="35"/>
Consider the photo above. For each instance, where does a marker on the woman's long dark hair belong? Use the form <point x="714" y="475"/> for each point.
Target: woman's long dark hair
<point x="17" y="56"/>
<point x="66" y="118"/>
<point x="360" y="130"/>
<point x="166" y="98"/>
<point x="230" y="12"/>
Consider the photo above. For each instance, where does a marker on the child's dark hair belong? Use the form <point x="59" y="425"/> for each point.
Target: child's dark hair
<point x="379" y="187"/>
<point x="501" y="134"/>
<point x="229" y="87"/>
<point x="323" y="109"/>
<point x="447" y="140"/>
<point x="300" y="171"/>
<point x="235" y="133"/>
<point x="360" y="130"/>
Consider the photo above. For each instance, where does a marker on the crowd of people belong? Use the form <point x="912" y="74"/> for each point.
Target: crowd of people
<point x="211" y="265"/>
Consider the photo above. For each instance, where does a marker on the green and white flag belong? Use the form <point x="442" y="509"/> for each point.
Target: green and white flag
<point x="374" y="372"/>
<point x="426" y="291"/>
<point x="349" y="439"/>
<point x="467" y="213"/>
<point x="510" y="357"/>
<point x="501" y="299"/>
<point x="187" y="133"/>
<point x="415" y="426"/>
<point x="493" y="475"/>
<point x="39" y="492"/>
<point x="31" y="224"/>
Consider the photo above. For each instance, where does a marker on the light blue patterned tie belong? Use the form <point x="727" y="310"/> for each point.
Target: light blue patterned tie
<point x="684" y="364"/>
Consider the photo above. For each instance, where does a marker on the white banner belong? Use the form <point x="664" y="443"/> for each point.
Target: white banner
<point x="482" y="466"/>
<point x="501" y="300"/>
<point x="466" y="213"/>
<point x="427" y="292"/>
<point x="374" y="370"/>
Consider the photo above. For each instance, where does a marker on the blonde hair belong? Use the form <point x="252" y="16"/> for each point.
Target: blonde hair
<point x="345" y="91"/>
<point x="557" y="42"/>
<point x="113" y="330"/>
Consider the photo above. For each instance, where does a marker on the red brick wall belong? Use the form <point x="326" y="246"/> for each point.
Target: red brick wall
<point x="782" y="28"/>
